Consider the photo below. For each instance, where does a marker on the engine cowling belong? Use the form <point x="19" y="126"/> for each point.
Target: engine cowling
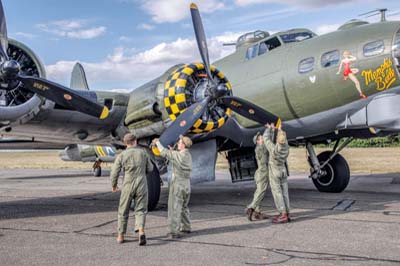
<point x="187" y="85"/>
<point x="18" y="104"/>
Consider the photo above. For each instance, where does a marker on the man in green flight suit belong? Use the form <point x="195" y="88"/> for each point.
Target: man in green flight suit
<point x="261" y="179"/>
<point x="179" y="186"/>
<point x="135" y="163"/>
<point x="278" y="174"/>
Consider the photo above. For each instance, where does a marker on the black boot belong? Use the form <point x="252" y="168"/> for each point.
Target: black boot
<point x="142" y="240"/>
<point x="249" y="213"/>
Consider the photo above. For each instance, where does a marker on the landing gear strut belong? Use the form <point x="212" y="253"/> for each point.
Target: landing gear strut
<point x="97" y="168"/>
<point x="329" y="170"/>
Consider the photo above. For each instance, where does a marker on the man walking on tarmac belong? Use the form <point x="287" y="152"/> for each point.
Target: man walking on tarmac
<point x="179" y="186"/>
<point x="261" y="179"/>
<point x="278" y="174"/>
<point x="135" y="162"/>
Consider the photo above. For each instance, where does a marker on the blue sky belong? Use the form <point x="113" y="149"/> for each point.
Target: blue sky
<point x="124" y="43"/>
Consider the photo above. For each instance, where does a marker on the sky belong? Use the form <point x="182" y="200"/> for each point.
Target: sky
<point x="124" y="43"/>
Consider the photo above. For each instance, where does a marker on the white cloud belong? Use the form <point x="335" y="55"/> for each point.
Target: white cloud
<point x="124" y="38"/>
<point x="326" y="28"/>
<point x="145" y="26"/>
<point x="25" y="35"/>
<point x="74" y="29"/>
<point x="302" y="3"/>
<point x="176" y="10"/>
<point x="133" y="68"/>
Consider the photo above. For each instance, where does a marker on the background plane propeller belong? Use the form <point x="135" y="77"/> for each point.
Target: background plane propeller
<point x="214" y="91"/>
<point x="11" y="78"/>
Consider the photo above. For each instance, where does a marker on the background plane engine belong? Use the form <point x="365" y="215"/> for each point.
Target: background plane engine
<point x="16" y="102"/>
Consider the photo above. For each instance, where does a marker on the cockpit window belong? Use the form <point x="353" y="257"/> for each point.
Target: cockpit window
<point x="251" y="51"/>
<point x="373" y="48"/>
<point x="306" y="65"/>
<point x="331" y="58"/>
<point x="268" y="45"/>
<point x="296" y="37"/>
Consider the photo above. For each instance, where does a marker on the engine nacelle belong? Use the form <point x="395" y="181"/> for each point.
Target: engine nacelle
<point x="159" y="102"/>
<point x="88" y="153"/>
<point x="18" y="104"/>
<point x="189" y="84"/>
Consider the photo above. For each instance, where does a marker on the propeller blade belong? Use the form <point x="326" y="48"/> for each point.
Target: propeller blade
<point x="3" y="34"/>
<point x="201" y="38"/>
<point x="250" y="110"/>
<point x="64" y="96"/>
<point x="183" y="123"/>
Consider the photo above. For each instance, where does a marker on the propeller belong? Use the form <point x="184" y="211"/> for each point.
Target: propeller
<point x="214" y="93"/>
<point x="12" y="78"/>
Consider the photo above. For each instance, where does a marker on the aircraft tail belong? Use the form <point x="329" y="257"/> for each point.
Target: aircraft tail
<point x="78" y="78"/>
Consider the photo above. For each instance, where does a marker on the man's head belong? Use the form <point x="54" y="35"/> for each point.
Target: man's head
<point x="281" y="138"/>
<point x="130" y="140"/>
<point x="184" y="143"/>
<point x="258" y="139"/>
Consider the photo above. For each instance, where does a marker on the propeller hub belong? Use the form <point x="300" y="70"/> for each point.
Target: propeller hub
<point x="219" y="91"/>
<point x="10" y="69"/>
<point x="201" y="90"/>
<point x="8" y="75"/>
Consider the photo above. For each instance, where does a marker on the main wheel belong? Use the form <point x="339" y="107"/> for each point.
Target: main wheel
<point x="337" y="175"/>
<point x="97" y="172"/>
<point x="153" y="188"/>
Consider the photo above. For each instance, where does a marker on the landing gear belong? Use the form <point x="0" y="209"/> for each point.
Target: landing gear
<point x="97" y="168"/>
<point x="329" y="170"/>
<point x="153" y="188"/>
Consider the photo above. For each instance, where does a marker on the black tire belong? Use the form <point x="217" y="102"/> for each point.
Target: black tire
<point x="97" y="172"/>
<point x="337" y="174"/>
<point x="153" y="188"/>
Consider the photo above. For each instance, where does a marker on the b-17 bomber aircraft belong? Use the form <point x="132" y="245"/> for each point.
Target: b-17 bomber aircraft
<point x="320" y="89"/>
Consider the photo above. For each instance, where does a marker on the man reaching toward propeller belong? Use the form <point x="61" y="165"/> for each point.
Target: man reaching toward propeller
<point x="261" y="179"/>
<point x="278" y="153"/>
<point x="179" y="186"/>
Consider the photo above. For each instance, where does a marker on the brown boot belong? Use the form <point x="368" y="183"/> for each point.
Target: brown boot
<point x="283" y="218"/>
<point x="260" y="216"/>
<point x="120" y="239"/>
<point x="249" y="213"/>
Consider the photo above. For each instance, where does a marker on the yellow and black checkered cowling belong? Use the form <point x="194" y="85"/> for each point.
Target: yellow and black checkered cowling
<point x="178" y="91"/>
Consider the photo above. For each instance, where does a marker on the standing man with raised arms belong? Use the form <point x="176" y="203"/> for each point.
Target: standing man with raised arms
<point x="261" y="179"/>
<point x="278" y="174"/>
<point x="179" y="186"/>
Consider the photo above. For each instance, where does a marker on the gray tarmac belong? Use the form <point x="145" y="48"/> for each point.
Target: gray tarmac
<point x="68" y="217"/>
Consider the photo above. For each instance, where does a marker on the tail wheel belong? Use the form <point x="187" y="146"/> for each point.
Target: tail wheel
<point x="337" y="175"/>
<point x="188" y="85"/>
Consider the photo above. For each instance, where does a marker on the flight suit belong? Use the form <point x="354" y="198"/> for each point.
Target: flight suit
<point x="179" y="189"/>
<point x="135" y="162"/>
<point x="260" y="177"/>
<point x="278" y="154"/>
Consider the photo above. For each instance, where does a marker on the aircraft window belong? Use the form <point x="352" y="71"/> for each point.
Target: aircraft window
<point x="306" y="65"/>
<point x="251" y="52"/>
<point x="331" y="58"/>
<point x="296" y="37"/>
<point x="373" y="48"/>
<point x="268" y="45"/>
<point x="263" y="48"/>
